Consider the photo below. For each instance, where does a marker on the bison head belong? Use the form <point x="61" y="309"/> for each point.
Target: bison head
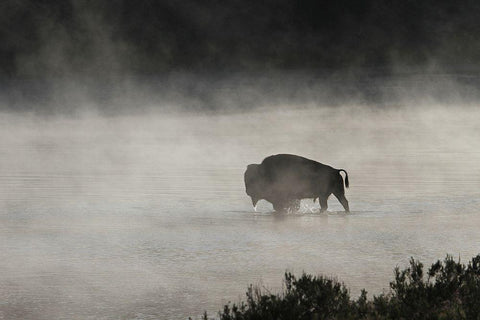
<point x="254" y="182"/>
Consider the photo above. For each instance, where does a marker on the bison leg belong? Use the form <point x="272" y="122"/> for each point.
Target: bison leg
<point x="289" y="206"/>
<point x="278" y="206"/>
<point x="341" y="197"/>
<point x="294" y="205"/>
<point x="323" y="204"/>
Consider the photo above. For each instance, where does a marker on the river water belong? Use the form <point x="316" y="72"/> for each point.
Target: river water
<point x="146" y="217"/>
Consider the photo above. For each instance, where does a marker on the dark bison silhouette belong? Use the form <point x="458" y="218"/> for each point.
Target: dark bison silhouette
<point x="285" y="179"/>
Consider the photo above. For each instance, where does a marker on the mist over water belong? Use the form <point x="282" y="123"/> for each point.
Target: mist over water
<point x="145" y="216"/>
<point x="126" y="127"/>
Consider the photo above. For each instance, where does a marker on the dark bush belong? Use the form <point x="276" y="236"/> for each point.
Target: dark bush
<point x="448" y="290"/>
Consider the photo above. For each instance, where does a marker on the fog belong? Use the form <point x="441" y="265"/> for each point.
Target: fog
<point x="236" y="92"/>
<point x="143" y="215"/>
<point x="126" y="128"/>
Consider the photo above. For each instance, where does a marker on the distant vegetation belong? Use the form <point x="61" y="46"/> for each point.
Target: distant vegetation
<point x="448" y="290"/>
<point x="61" y="38"/>
<point x="202" y="55"/>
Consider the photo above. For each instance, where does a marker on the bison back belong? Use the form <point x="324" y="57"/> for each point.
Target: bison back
<point x="296" y="176"/>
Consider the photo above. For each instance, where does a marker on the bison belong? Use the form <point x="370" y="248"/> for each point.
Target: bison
<point x="285" y="179"/>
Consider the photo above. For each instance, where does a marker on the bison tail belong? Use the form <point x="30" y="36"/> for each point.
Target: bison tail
<point x="346" y="177"/>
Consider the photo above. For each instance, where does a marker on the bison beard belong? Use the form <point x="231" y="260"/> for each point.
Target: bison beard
<point x="285" y="179"/>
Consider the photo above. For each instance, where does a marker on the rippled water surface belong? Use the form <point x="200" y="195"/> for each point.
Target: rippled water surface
<point x="145" y="216"/>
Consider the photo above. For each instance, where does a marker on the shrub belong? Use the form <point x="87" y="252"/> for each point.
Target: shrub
<point x="448" y="290"/>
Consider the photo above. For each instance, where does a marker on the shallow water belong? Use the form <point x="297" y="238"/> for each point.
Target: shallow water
<point x="145" y="216"/>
